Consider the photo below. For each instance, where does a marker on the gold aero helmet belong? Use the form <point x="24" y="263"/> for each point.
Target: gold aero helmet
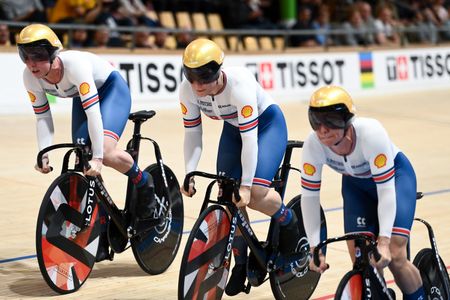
<point x="38" y="42"/>
<point x="202" y="60"/>
<point x="332" y="107"/>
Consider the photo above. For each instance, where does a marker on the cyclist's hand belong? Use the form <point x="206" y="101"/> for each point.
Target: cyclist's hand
<point x="323" y="265"/>
<point x="45" y="165"/>
<point x="191" y="191"/>
<point x="95" y="167"/>
<point x="383" y="248"/>
<point x="245" y="193"/>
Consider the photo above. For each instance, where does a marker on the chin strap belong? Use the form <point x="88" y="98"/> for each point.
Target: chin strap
<point x="51" y="63"/>
<point x="343" y="137"/>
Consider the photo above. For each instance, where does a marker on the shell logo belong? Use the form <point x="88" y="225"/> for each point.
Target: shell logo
<point x="380" y="161"/>
<point x="309" y="169"/>
<point x="84" y="88"/>
<point x="32" y="97"/>
<point x="246" y="111"/>
<point x="183" y="109"/>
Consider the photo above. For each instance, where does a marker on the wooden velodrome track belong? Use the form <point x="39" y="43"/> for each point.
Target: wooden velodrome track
<point x="418" y="122"/>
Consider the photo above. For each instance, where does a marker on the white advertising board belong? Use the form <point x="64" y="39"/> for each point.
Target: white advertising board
<point x="154" y="79"/>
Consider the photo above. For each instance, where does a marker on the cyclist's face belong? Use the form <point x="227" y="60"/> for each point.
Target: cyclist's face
<point x="204" y="89"/>
<point x="329" y="136"/>
<point x="38" y="68"/>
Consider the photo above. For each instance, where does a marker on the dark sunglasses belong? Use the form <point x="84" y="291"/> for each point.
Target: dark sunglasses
<point x="33" y="53"/>
<point x="332" y="120"/>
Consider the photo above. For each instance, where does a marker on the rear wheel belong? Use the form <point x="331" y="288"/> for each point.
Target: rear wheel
<point x="350" y="287"/>
<point x="301" y="285"/>
<point x="435" y="279"/>
<point x="204" y="272"/>
<point x="155" y="249"/>
<point x="65" y="247"/>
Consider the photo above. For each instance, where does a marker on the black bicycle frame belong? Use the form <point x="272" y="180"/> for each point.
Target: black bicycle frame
<point x="434" y="248"/>
<point x="238" y="219"/>
<point x="127" y="227"/>
<point x="362" y="250"/>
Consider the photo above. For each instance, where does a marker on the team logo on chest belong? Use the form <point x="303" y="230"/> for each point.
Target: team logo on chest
<point x="309" y="169"/>
<point x="380" y="161"/>
<point x="84" y="88"/>
<point x="246" y="111"/>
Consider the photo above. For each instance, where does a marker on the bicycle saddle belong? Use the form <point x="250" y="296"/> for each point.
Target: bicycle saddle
<point x="142" y="115"/>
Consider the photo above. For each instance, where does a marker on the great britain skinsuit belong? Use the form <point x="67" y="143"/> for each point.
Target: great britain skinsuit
<point x="101" y="100"/>
<point x="378" y="183"/>
<point x="254" y="134"/>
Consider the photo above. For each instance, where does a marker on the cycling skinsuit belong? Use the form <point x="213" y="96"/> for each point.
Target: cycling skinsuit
<point x="378" y="183"/>
<point x="254" y="134"/>
<point x="101" y="100"/>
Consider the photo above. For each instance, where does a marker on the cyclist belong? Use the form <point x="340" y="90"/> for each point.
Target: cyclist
<point x="252" y="142"/>
<point x="378" y="183"/>
<point x="100" y="108"/>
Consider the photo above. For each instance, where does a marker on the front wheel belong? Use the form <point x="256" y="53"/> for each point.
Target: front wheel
<point x="351" y="286"/>
<point x="156" y="248"/>
<point x="435" y="279"/>
<point x="301" y="285"/>
<point x="65" y="247"/>
<point x="204" y="269"/>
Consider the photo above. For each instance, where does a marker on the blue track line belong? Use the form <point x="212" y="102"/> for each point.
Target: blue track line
<point x="253" y="222"/>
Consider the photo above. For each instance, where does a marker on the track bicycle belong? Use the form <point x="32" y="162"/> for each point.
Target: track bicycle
<point x="432" y="268"/>
<point x="363" y="281"/>
<point x="68" y="224"/>
<point x="207" y="255"/>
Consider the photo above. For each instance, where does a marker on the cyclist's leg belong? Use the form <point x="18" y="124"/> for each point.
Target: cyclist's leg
<point x="360" y="208"/>
<point x="229" y="164"/>
<point x="406" y="275"/>
<point x="272" y="141"/>
<point x="80" y="135"/>
<point x="115" y="105"/>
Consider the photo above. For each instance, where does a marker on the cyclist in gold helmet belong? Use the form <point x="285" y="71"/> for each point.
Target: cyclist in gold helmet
<point x="100" y="108"/>
<point x="378" y="183"/>
<point x="252" y="142"/>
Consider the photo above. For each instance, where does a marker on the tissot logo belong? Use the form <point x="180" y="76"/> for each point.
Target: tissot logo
<point x="397" y="68"/>
<point x="417" y="66"/>
<point x="287" y="74"/>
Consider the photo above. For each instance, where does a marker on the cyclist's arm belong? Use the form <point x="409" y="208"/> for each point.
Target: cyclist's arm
<point x="81" y="75"/>
<point x="378" y="150"/>
<point x="192" y="122"/>
<point x="312" y="163"/>
<point x="41" y="107"/>
<point x="244" y="98"/>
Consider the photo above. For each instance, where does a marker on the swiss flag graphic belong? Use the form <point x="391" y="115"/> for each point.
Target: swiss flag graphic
<point x="266" y="75"/>
<point x="402" y="68"/>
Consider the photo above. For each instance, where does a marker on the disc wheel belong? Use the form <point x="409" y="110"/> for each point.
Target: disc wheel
<point x="65" y="247"/>
<point x="155" y="249"/>
<point x="302" y="283"/>
<point x="204" y="271"/>
<point x="350" y="287"/>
